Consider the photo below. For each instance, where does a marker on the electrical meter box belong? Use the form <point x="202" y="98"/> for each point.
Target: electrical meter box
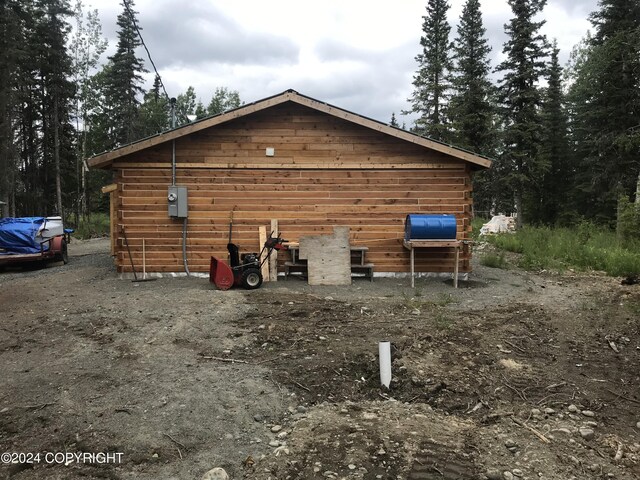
<point x="177" y="199"/>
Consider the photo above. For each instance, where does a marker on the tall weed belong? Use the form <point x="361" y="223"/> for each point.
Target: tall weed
<point x="583" y="247"/>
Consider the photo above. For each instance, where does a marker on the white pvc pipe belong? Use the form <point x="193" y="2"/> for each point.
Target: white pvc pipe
<point x="384" y="352"/>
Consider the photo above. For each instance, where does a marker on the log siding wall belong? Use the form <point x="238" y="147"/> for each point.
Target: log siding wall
<point x="325" y="172"/>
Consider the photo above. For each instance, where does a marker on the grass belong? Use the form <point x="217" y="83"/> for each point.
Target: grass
<point x="442" y="321"/>
<point x="493" y="260"/>
<point x="97" y="225"/>
<point x="633" y="307"/>
<point x="584" y="247"/>
<point x="417" y="301"/>
<point x="431" y="308"/>
<point x="476" y="225"/>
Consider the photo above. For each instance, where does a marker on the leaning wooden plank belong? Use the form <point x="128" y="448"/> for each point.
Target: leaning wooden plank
<point x="273" y="260"/>
<point x="262" y="234"/>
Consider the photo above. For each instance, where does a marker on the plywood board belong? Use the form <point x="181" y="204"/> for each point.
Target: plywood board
<point x="328" y="257"/>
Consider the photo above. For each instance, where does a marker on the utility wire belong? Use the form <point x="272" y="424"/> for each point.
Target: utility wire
<point x="133" y="20"/>
<point x="135" y="24"/>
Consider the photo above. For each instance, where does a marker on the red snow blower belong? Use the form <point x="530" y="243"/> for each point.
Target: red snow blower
<point x="245" y="270"/>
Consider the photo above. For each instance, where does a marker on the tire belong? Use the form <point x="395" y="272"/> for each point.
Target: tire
<point x="63" y="256"/>
<point x="251" y="278"/>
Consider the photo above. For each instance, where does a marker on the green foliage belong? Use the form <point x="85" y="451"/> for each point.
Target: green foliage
<point x="186" y="106"/>
<point x="550" y="193"/>
<point x="86" y="48"/>
<point x="604" y="112"/>
<point x="628" y="226"/>
<point x="223" y="99"/>
<point x="519" y="167"/>
<point x="154" y="111"/>
<point x="94" y="226"/>
<point x="442" y="300"/>
<point x="36" y="135"/>
<point x="442" y="320"/>
<point x="122" y="83"/>
<point x="584" y="247"/>
<point x="476" y="225"/>
<point x="471" y="106"/>
<point x="493" y="260"/>
<point x="430" y="82"/>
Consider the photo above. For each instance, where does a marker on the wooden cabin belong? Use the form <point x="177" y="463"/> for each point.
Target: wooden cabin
<point x="309" y="165"/>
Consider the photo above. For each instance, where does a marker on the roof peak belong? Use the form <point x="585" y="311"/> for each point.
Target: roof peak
<point x="104" y="160"/>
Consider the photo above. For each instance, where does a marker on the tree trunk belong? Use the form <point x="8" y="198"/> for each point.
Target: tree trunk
<point x="518" y="204"/>
<point x="12" y="203"/>
<point x="83" y="198"/>
<point x="638" y="192"/>
<point x="78" y="174"/>
<point x="56" y="157"/>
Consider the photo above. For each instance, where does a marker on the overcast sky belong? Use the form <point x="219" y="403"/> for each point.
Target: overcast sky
<point x="355" y="54"/>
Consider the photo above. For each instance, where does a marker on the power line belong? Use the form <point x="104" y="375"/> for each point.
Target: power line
<point x="133" y="20"/>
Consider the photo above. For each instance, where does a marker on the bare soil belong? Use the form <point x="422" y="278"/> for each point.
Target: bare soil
<point x="514" y="375"/>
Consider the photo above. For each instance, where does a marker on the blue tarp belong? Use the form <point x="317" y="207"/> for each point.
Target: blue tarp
<point x="18" y="235"/>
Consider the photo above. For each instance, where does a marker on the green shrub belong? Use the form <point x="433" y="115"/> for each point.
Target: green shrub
<point x="628" y="227"/>
<point x="492" y="260"/>
<point x="507" y="241"/>
<point x="476" y="225"/>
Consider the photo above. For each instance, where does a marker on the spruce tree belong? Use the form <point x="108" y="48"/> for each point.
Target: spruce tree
<point x="394" y="121"/>
<point x="471" y="108"/>
<point x="55" y="96"/>
<point x="431" y="87"/>
<point x="605" y="99"/>
<point x="28" y="196"/>
<point x="13" y="14"/>
<point x="552" y="192"/>
<point x="519" y="167"/>
<point x="154" y="112"/>
<point x="123" y="81"/>
<point x="201" y="110"/>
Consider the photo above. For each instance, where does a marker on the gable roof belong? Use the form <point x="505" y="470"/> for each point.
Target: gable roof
<point x="106" y="159"/>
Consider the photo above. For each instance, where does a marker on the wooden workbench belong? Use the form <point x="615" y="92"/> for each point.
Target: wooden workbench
<point x="412" y="245"/>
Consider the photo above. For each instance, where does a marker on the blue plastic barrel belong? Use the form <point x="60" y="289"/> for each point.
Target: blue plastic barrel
<point x="430" y="227"/>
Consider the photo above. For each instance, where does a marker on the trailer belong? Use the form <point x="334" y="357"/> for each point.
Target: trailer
<point x="33" y="239"/>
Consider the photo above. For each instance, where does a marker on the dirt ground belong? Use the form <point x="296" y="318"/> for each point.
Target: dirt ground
<point x="514" y="375"/>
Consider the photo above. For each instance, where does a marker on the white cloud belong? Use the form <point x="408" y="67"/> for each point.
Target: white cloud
<point x="357" y="54"/>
